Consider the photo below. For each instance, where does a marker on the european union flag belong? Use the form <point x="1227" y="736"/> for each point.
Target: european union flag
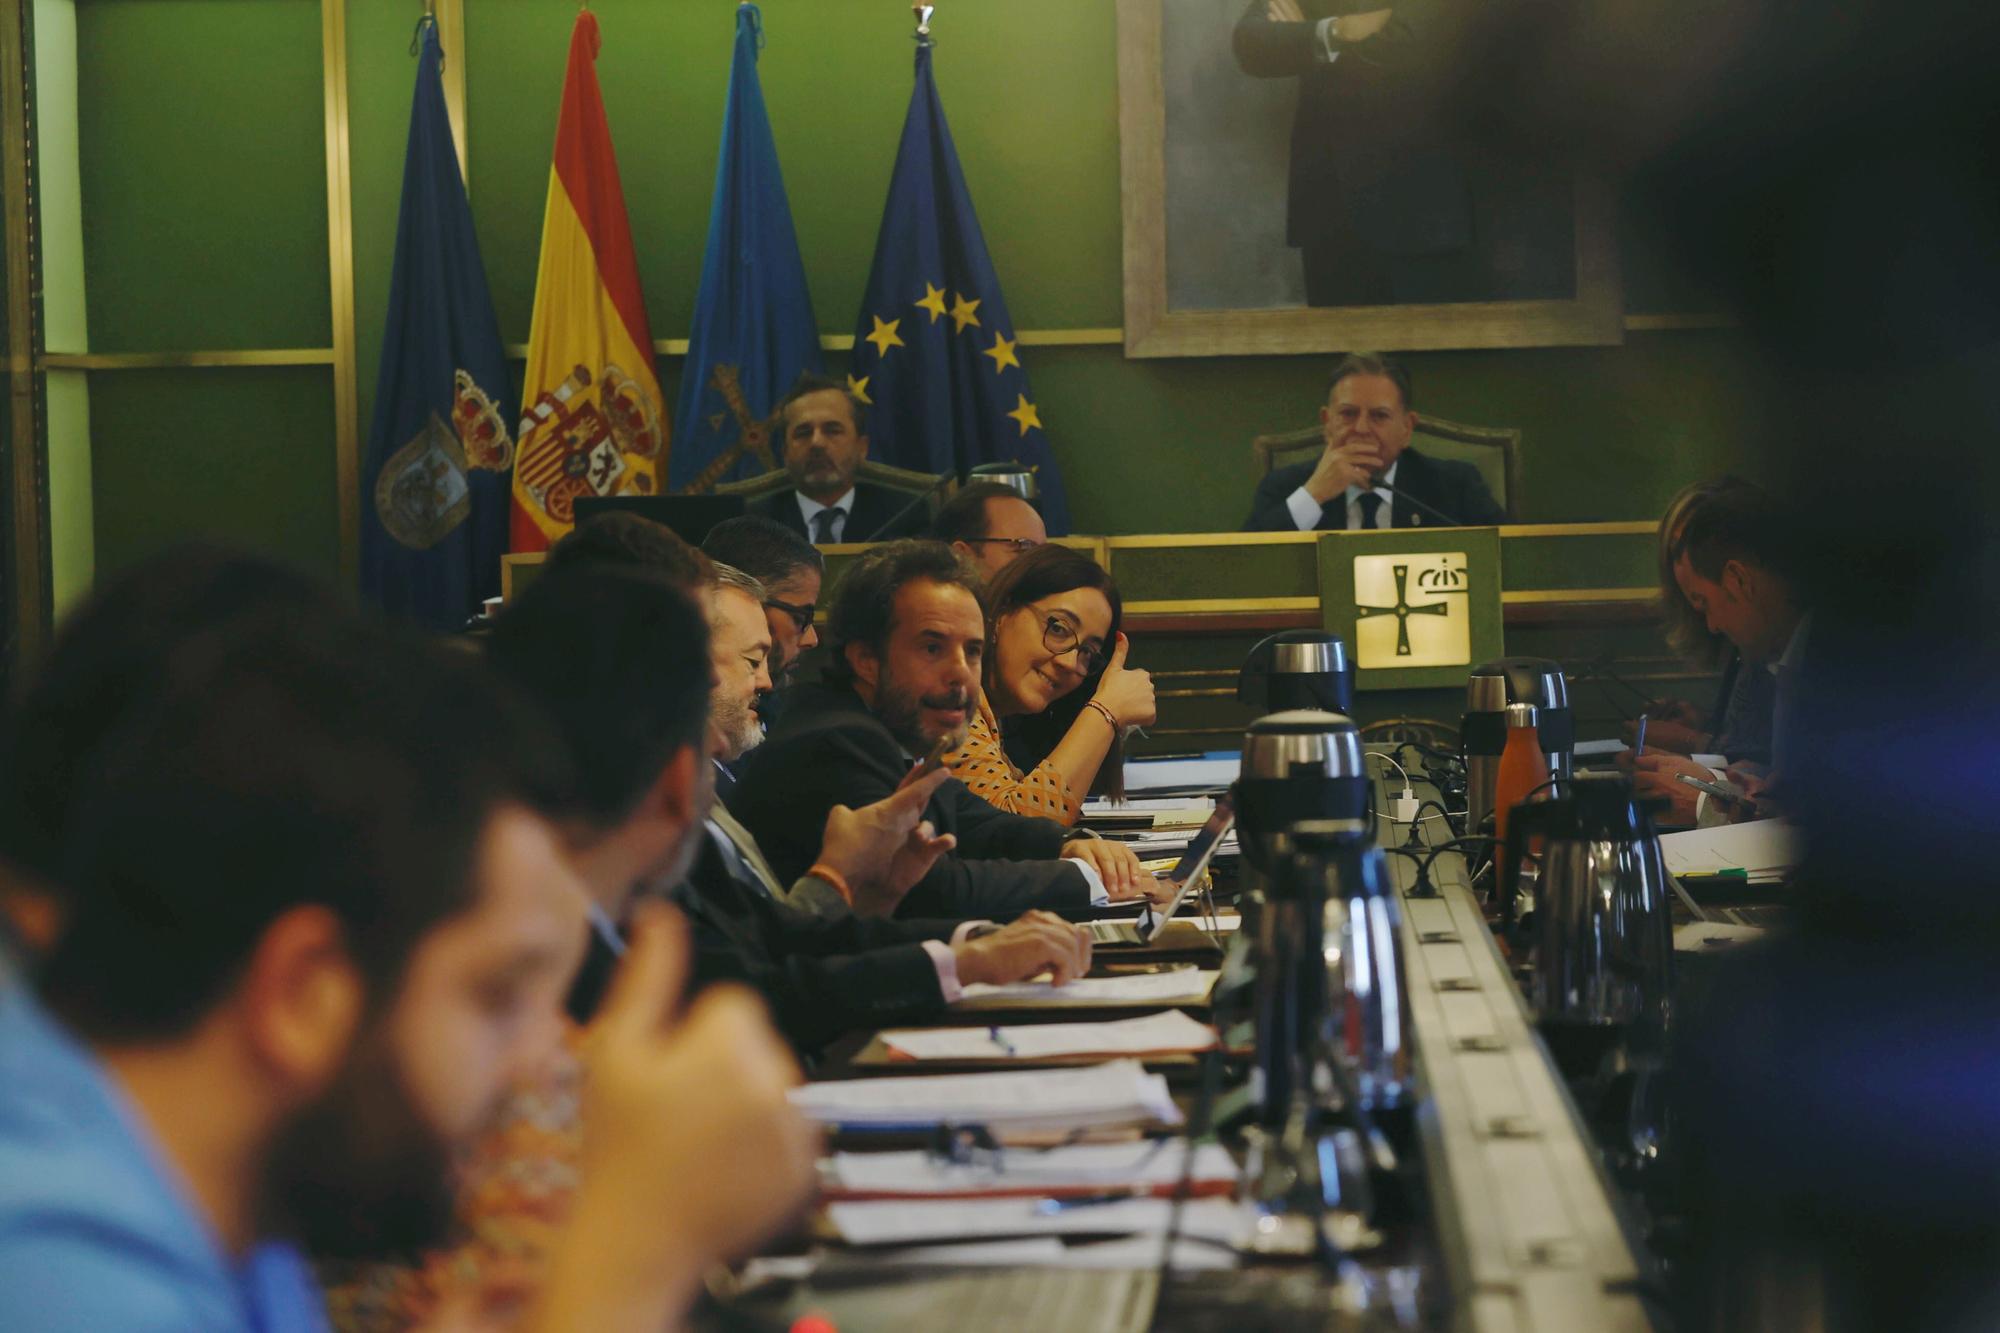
<point x="435" y="487"/>
<point x="754" y="331"/>
<point x="934" y="352"/>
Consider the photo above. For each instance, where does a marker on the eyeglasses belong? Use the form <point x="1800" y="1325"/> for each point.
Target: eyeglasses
<point x="1059" y="636"/>
<point x="1018" y="545"/>
<point x="802" y="616"/>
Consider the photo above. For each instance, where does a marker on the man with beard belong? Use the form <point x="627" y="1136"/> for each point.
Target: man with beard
<point x="824" y="429"/>
<point x="312" y="921"/>
<point x="790" y="569"/>
<point x="907" y="639"/>
<point x="592" y="644"/>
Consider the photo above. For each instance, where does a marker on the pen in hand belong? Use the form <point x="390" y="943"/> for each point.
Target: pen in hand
<point x="1639" y="744"/>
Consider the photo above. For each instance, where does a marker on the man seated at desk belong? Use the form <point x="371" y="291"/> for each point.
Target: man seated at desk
<point x="907" y="638"/>
<point x="1738" y="562"/>
<point x="825" y="430"/>
<point x="1368" y="476"/>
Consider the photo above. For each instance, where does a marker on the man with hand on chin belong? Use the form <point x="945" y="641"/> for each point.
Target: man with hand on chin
<point x="908" y="639"/>
<point x="1368" y="476"/>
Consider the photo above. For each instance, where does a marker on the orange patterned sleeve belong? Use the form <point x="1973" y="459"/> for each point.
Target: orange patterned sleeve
<point x="982" y="765"/>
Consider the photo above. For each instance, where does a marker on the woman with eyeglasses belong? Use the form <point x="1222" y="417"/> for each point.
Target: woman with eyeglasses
<point x="1057" y="682"/>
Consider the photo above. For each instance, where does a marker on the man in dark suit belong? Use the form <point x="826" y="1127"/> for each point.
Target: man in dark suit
<point x="1389" y="201"/>
<point x="587" y="643"/>
<point x="907" y="639"/>
<point x="1368" y="476"/>
<point x="825" y="429"/>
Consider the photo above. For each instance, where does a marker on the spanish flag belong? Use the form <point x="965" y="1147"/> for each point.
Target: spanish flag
<point x="592" y="418"/>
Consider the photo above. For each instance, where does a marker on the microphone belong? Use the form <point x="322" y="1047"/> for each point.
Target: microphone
<point x="1430" y="509"/>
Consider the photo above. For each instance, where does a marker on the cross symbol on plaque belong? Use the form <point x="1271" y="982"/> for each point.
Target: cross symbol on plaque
<point x="1402" y="610"/>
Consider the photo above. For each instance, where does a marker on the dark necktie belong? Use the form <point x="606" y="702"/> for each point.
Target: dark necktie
<point x="1370" y="502"/>
<point x="823" y="526"/>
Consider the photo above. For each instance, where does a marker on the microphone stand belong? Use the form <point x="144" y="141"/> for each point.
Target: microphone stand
<point x="895" y="520"/>
<point x="1430" y="509"/>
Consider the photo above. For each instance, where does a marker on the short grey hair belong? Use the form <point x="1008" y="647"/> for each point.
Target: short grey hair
<point x="729" y="576"/>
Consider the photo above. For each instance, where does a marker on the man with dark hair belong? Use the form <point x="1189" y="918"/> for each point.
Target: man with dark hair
<point x="908" y="637"/>
<point x="825" y="431"/>
<point x="1368" y="476"/>
<point x="1739" y="562"/>
<point x="597" y="643"/>
<point x="626" y="540"/>
<point x="312" y="924"/>
<point x="990" y="525"/>
<point x="789" y="567"/>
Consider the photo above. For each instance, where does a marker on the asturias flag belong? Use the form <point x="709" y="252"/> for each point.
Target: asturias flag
<point x="593" y="421"/>
<point x="754" y="331"/>
<point x="434" y="498"/>
<point x="934" y="351"/>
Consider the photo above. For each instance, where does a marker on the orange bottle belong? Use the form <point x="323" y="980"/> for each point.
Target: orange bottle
<point x="1523" y="768"/>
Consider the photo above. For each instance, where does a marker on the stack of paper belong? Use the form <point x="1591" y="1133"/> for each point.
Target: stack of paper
<point x="1764" y="850"/>
<point x="1171" y="843"/>
<point x="1169" y="1033"/>
<point x="915" y="1221"/>
<point x="1181" y="985"/>
<point x="1154" y="1166"/>
<point x="1118" y="1093"/>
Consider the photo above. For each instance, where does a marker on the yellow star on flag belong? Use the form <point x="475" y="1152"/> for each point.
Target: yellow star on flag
<point x="964" y="312"/>
<point x="933" y="301"/>
<point x="859" y="388"/>
<point x="1002" y="353"/>
<point x="884" y="336"/>
<point x="1025" y="413"/>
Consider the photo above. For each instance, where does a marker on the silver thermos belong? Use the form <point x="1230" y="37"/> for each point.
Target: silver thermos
<point x="1483" y="731"/>
<point x="1300" y="668"/>
<point x="1603" y="945"/>
<point x="1300" y="765"/>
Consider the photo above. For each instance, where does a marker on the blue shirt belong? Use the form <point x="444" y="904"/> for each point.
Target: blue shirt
<point x="96" y="1230"/>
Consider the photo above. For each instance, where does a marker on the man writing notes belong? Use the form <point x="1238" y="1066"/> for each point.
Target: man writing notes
<point x="1368" y="476"/>
<point x="825" y="434"/>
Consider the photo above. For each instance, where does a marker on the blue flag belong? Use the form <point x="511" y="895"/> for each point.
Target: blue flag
<point x="754" y="331"/>
<point x="435" y="486"/>
<point x="934" y="351"/>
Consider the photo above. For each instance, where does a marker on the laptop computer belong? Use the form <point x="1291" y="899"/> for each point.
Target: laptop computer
<point x="1186" y="872"/>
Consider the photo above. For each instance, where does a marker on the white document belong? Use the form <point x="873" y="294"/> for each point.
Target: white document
<point x="1186" y="985"/>
<point x="1168" y="1032"/>
<point x="1211" y="774"/>
<point x="1711" y="936"/>
<point x="911" y="1222"/>
<point x="1598" y="749"/>
<point x="1118" y="1092"/>
<point x="1148" y="1164"/>
<point x="1193" y="810"/>
<point x="1764" y="847"/>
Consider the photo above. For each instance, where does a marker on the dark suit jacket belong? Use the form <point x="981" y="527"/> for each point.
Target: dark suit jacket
<point x="874" y="506"/>
<point x="1445" y="484"/>
<point x="829" y="750"/>
<point x="821" y="976"/>
<point x="1367" y="138"/>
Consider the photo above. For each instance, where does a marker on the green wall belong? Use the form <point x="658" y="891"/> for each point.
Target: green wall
<point x="205" y="227"/>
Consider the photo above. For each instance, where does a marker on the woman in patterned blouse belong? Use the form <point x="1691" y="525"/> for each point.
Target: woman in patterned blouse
<point x="1052" y="622"/>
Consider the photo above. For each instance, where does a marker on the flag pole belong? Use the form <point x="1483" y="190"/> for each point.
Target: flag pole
<point x="923" y="13"/>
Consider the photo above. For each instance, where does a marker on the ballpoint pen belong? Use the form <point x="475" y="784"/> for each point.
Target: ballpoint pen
<point x="1001" y="1041"/>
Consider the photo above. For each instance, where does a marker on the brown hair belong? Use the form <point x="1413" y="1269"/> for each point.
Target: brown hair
<point x="1044" y="572"/>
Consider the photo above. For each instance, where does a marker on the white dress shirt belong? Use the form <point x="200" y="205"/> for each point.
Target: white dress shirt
<point x="1306" y="511"/>
<point x="843" y="510"/>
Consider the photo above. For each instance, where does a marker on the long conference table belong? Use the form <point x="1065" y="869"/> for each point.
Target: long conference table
<point x="1514" y="1225"/>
